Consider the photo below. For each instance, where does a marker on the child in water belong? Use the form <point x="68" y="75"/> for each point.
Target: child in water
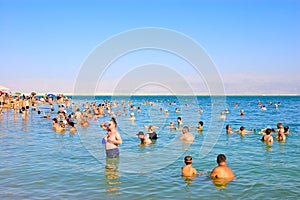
<point x="188" y="170"/>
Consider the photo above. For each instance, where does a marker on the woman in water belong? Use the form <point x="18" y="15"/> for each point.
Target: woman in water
<point x="112" y="138"/>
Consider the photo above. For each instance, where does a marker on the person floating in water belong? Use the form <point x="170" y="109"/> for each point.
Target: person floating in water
<point x="188" y="170"/>
<point x="222" y="171"/>
<point x="243" y="131"/>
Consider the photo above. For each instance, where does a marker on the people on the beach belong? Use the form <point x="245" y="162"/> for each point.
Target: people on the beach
<point x="188" y="170"/>
<point x="112" y="139"/>
<point x="222" y="171"/>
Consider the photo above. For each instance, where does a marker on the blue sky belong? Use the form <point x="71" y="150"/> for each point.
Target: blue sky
<point x="254" y="44"/>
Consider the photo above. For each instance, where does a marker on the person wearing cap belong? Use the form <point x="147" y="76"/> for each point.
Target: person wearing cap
<point x="144" y="138"/>
<point x="132" y="117"/>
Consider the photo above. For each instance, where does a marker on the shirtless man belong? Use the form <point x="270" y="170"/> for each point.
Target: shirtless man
<point x="222" y="171"/>
<point x="188" y="170"/>
<point x="187" y="136"/>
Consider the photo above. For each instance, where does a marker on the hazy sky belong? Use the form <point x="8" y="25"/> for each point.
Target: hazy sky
<point x="255" y="45"/>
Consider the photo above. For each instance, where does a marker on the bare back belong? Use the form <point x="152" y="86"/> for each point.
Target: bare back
<point x="223" y="172"/>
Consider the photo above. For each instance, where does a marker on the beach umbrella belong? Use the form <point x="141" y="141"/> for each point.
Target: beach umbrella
<point x="51" y="95"/>
<point x="18" y="93"/>
<point x="3" y="89"/>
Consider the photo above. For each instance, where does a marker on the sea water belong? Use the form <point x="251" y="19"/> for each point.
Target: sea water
<point x="37" y="163"/>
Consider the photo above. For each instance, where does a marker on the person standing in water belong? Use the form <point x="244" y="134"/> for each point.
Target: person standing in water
<point x="222" y="171"/>
<point x="188" y="170"/>
<point x="112" y="138"/>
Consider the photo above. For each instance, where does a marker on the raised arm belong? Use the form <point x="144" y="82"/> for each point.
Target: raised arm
<point x="104" y="125"/>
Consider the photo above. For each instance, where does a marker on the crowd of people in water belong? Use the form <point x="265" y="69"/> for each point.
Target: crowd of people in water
<point x="70" y="116"/>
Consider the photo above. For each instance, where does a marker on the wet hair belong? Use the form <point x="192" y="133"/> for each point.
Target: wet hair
<point x="286" y="128"/>
<point x="179" y="118"/>
<point x="114" y="121"/>
<point x="279" y="125"/>
<point x="201" y="123"/>
<point x="227" y="126"/>
<point x="188" y="159"/>
<point x="221" y="158"/>
<point x="72" y="124"/>
<point x="268" y="131"/>
<point x="242" y="128"/>
<point x="186" y="127"/>
<point x="55" y="120"/>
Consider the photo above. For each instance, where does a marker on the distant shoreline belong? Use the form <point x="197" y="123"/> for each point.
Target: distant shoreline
<point x="204" y="95"/>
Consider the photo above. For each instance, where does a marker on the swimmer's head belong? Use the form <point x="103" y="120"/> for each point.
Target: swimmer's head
<point x="72" y="124"/>
<point x="268" y="131"/>
<point x="228" y="126"/>
<point x="201" y="123"/>
<point x="221" y="158"/>
<point x="286" y="128"/>
<point x="188" y="160"/>
<point x="113" y="121"/>
<point x="151" y="128"/>
<point x="242" y="128"/>
<point x="279" y="125"/>
<point x="185" y="129"/>
<point x="140" y="134"/>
